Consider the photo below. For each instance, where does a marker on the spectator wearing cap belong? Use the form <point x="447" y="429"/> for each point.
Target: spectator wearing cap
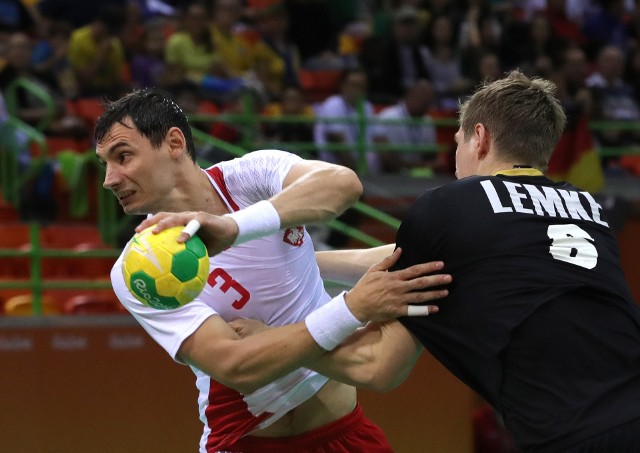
<point x="97" y="56"/>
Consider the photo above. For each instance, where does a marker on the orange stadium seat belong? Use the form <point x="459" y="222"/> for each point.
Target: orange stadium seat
<point x="23" y="305"/>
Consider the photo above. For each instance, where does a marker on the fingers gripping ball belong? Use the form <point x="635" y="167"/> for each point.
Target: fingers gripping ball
<point x="162" y="273"/>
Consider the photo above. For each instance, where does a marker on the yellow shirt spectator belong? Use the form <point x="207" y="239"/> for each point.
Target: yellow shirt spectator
<point x="234" y="51"/>
<point x="84" y="52"/>
<point x="195" y="59"/>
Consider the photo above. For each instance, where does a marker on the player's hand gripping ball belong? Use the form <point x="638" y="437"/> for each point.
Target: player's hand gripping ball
<point x="162" y="273"/>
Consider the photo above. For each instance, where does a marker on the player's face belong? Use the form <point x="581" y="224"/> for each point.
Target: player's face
<point x="139" y="175"/>
<point x="465" y="155"/>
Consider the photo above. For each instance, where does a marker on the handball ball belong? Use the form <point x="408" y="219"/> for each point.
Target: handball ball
<point x="163" y="273"/>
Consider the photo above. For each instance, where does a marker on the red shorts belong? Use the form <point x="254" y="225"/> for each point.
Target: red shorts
<point x="350" y="434"/>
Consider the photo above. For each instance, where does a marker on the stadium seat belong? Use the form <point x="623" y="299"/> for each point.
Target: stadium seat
<point x="8" y="213"/>
<point x="93" y="267"/>
<point x="78" y="238"/>
<point x="56" y="145"/>
<point x="317" y="85"/>
<point x="23" y="306"/>
<point x="14" y="236"/>
<point x="92" y="304"/>
<point x="89" y="109"/>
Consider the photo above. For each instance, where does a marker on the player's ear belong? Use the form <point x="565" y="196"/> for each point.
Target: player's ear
<point x="176" y="141"/>
<point x="483" y="141"/>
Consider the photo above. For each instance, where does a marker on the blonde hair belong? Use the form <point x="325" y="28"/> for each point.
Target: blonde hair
<point x="522" y="115"/>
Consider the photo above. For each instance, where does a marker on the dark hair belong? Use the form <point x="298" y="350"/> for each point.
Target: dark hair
<point x="152" y="112"/>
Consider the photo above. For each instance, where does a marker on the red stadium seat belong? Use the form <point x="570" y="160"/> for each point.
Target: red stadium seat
<point x="89" y="109"/>
<point x="70" y="237"/>
<point x="92" y="304"/>
<point x="317" y="85"/>
<point x="14" y="236"/>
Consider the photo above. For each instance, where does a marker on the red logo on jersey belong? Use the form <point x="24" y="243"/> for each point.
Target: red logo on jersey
<point x="294" y="236"/>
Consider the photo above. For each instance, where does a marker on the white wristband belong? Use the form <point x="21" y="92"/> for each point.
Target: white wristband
<point x="256" y="221"/>
<point x="332" y="323"/>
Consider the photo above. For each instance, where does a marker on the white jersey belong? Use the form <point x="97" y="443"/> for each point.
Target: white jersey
<point x="274" y="279"/>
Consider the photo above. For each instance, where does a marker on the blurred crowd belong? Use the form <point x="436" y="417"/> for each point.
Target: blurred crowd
<point x="400" y="60"/>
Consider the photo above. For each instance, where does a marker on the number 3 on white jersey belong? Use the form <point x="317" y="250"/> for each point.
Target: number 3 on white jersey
<point x="572" y="244"/>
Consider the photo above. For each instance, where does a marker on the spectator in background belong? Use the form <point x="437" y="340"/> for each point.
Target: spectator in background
<point x="29" y="107"/>
<point x="97" y="56"/>
<point x="395" y="65"/>
<point x="292" y="103"/>
<point x="242" y="129"/>
<point x="148" y="67"/>
<point x="479" y="35"/>
<point x="538" y="50"/>
<point x="488" y="69"/>
<point x="613" y="98"/>
<point x="316" y="41"/>
<point x="192" y="56"/>
<point x="234" y="51"/>
<point x="50" y="58"/>
<point x="606" y="25"/>
<point x="337" y="123"/>
<point x="411" y="128"/>
<point x="564" y="26"/>
<point x="444" y="62"/>
<point x="572" y="88"/>
<point x="276" y="58"/>
<point x="575" y="158"/>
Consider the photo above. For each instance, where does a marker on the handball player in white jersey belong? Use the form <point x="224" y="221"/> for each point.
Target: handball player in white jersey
<point x="254" y="394"/>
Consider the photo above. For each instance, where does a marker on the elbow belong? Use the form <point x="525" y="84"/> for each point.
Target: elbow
<point x="347" y="185"/>
<point x="381" y="381"/>
<point x="238" y="378"/>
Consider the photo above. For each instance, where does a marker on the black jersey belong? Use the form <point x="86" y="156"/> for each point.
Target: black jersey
<point x="539" y="320"/>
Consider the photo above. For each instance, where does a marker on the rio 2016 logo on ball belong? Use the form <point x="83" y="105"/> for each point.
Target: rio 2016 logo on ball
<point x="162" y="273"/>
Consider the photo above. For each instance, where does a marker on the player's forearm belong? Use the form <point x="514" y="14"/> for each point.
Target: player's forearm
<point x="379" y="357"/>
<point x="348" y="266"/>
<point x="252" y="362"/>
<point x="316" y="195"/>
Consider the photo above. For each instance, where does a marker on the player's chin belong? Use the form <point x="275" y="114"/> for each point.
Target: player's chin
<point x="133" y="209"/>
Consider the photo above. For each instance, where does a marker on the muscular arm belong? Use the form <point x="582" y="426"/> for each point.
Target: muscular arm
<point x="378" y="357"/>
<point x="251" y="362"/>
<point x="348" y="266"/>
<point x="316" y="192"/>
<point x="313" y="192"/>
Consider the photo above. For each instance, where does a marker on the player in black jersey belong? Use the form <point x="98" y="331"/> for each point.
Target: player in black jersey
<point x="539" y="319"/>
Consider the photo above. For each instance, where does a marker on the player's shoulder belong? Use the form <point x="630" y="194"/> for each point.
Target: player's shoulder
<point x="454" y="188"/>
